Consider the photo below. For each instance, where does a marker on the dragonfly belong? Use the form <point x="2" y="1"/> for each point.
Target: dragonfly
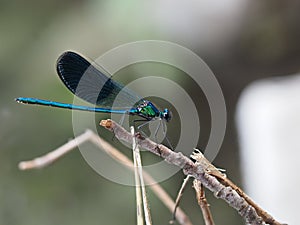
<point x="85" y="79"/>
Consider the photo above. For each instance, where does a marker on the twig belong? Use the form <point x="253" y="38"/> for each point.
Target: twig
<point x="49" y="158"/>
<point x="200" y="195"/>
<point x="89" y="135"/>
<point x="202" y="202"/>
<point x="178" y="198"/>
<point x="203" y="171"/>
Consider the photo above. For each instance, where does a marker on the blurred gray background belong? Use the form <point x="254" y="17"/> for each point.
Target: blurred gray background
<point x="240" y="41"/>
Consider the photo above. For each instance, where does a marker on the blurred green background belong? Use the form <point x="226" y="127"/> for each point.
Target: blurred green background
<point x="240" y="41"/>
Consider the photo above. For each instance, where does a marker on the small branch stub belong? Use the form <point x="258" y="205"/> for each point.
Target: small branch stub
<point x="106" y="123"/>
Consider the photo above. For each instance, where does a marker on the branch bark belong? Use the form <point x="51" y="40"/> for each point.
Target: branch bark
<point x="202" y="170"/>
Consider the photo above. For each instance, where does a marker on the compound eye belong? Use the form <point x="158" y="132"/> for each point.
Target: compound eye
<point x="167" y="115"/>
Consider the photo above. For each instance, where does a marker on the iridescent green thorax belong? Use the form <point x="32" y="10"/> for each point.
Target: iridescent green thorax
<point x="148" y="110"/>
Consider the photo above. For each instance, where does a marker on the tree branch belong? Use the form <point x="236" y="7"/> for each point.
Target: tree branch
<point x="202" y="170"/>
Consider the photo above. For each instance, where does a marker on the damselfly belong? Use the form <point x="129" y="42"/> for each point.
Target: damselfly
<point x="86" y="81"/>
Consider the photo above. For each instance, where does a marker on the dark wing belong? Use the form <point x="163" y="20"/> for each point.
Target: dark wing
<point x="87" y="82"/>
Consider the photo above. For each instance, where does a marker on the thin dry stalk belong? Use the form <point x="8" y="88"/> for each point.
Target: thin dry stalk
<point x="140" y="184"/>
<point x="178" y="198"/>
<point x="138" y="191"/>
